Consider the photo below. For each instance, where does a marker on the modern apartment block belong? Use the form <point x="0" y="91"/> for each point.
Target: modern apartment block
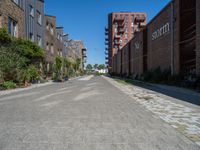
<point x="50" y="41"/>
<point x="169" y="41"/>
<point x="35" y="21"/>
<point x="60" y="41"/>
<point x="12" y="17"/>
<point x="120" y="30"/>
<point x="76" y="50"/>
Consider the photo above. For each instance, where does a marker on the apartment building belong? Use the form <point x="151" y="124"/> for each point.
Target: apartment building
<point x="50" y="41"/>
<point x="60" y="41"/>
<point x="76" y="50"/>
<point x="169" y="41"/>
<point x="12" y="17"/>
<point x="120" y="30"/>
<point x="35" y="21"/>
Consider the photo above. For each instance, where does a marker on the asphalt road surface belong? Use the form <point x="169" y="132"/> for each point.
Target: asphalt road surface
<point x="83" y="114"/>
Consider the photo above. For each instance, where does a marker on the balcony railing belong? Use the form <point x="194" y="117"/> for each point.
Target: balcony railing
<point x="117" y="19"/>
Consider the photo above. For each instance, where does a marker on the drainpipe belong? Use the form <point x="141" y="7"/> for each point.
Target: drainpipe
<point x="172" y="37"/>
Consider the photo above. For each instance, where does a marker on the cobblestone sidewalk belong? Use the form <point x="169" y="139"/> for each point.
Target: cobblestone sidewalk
<point x="184" y="119"/>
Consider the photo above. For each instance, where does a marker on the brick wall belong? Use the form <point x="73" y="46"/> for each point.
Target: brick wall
<point x="137" y="54"/>
<point x="159" y="48"/>
<point x="50" y="38"/>
<point x="9" y="9"/>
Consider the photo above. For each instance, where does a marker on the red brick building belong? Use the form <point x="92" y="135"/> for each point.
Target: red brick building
<point x="171" y="41"/>
<point x="121" y="29"/>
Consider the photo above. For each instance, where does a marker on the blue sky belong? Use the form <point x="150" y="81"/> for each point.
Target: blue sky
<point x="85" y="19"/>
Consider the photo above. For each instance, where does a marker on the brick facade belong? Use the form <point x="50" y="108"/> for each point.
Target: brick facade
<point x="169" y="41"/>
<point x="159" y="48"/>
<point x="9" y="9"/>
<point x="50" y="41"/>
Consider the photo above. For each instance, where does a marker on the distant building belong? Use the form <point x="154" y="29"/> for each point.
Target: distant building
<point x="60" y="41"/>
<point x="50" y="41"/>
<point x="12" y="17"/>
<point x="76" y="50"/>
<point x="120" y="30"/>
<point x="34" y="21"/>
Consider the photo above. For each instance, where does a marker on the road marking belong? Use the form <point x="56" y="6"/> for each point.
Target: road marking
<point x="18" y="96"/>
<point x="86" y="78"/>
<point x="50" y="95"/>
<point x="51" y="104"/>
<point x="86" y="95"/>
<point x="66" y="88"/>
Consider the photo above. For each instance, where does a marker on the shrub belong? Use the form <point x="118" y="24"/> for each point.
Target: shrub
<point x="28" y="49"/>
<point x="5" y="38"/>
<point x="8" y="85"/>
<point x="29" y="74"/>
<point x="10" y="63"/>
<point x="57" y="75"/>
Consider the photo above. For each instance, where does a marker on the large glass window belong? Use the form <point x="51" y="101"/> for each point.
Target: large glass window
<point x="31" y="36"/>
<point x="52" y="49"/>
<point x="51" y="29"/>
<point x="12" y="27"/>
<point x="31" y="10"/>
<point x="39" y="17"/>
<point x="39" y="40"/>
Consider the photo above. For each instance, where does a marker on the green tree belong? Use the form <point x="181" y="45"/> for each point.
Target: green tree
<point x="95" y="66"/>
<point x="89" y="68"/>
<point x="101" y="66"/>
<point x="57" y="69"/>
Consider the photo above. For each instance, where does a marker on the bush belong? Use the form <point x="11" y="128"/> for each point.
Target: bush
<point x="5" y="38"/>
<point x="8" y="85"/>
<point x="30" y="74"/>
<point x="10" y="63"/>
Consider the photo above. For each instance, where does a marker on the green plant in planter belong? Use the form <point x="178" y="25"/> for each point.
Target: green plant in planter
<point x="29" y="74"/>
<point x="57" y="75"/>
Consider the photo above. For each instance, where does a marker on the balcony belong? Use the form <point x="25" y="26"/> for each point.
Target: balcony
<point x="117" y="36"/>
<point x="139" y="19"/>
<point x="106" y="39"/>
<point x="106" y="53"/>
<point x="117" y="43"/>
<point x="84" y="49"/>
<point x="106" y="31"/>
<point x="121" y="31"/>
<point x="106" y="57"/>
<point x="121" y="25"/>
<point x="106" y="43"/>
<point x="119" y="20"/>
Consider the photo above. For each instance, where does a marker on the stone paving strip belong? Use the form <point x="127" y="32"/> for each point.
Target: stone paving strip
<point x="184" y="119"/>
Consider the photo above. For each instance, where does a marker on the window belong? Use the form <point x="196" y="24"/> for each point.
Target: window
<point x="12" y="27"/>
<point x="126" y="36"/>
<point x="47" y="26"/>
<point x="47" y="46"/>
<point x="39" y="40"/>
<point x="51" y="29"/>
<point x="31" y="10"/>
<point x="52" y="49"/>
<point x="39" y="18"/>
<point x="31" y="36"/>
